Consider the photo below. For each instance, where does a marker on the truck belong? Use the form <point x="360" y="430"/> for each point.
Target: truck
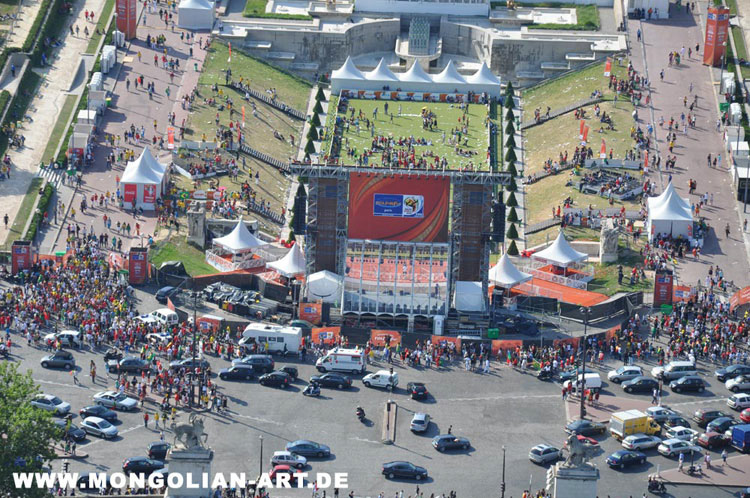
<point x="629" y="422"/>
<point x="741" y="437"/>
<point x="278" y="338"/>
<point x="342" y="360"/>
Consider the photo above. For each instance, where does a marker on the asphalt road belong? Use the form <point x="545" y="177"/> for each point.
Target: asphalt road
<point x="505" y="408"/>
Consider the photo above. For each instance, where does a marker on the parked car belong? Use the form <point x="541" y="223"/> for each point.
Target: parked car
<point x="404" y="470"/>
<point x="739" y="383"/>
<point x="713" y="440"/>
<point x="115" y="400"/>
<point x="682" y="433"/>
<point x="640" y="442"/>
<point x="739" y="401"/>
<point x="625" y="458"/>
<point x="688" y="383"/>
<point x="84" y="485"/>
<point x="284" y="469"/>
<point x="381" y="378"/>
<point x="129" y="364"/>
<point x="589" y="442"/>
<point x="288" y="458"/>
<point x="450" y="442"/>
<point x="70" y="430"/>
<point x="585" y="427"/>
<point x="674" y="421"/>
<point x="417" y="390"/>
<point x="640" y="384"/>
<point x="141" y="465"/>
<point x="625" y="372"/>
<point x="660" y="413"/>
<point x="292" y="371"/>
<point x="308" y="448"/>
<point x="673" y="447"/>
<point x="237" y="372"/>
<point x="98" y="411"/>
<point x="420" y="422"/>
<point x="721" y="424"/>
<point x="67" y="338"/>
<point x="189" y="364"/>
<point x="336" y="380"/>
<point x="59" y="359"/>
<point x="745" y="415"/>
<point x="544" y="453"/>
<point x="164" y="293"/>
<point x="51" y="403"/>
<point x="158" y="450"/>
<point x="261" y="363"/>
<point x="732" y="371"/>
<point x="277" y="379"/>
<point x="99" y="427"/>
<point x="704" y="416"/>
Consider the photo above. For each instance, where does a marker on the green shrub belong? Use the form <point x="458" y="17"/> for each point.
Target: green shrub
<point x="509" y="104"/>
<point x="511" y="200"/>
<point x="510" y="155"/>
<point x="512" y="249"/>
<point x="318" y="108"/>
<point x="315" y="120"/>
<point x="42" y="207"/>
<point x="312" y="134"/>
<point x="512" y="215"/>
<point x="320" y="96"/>
<point x="309" y="147"/>
<point x="512" y="232"/>
<point x="510" y="142"/>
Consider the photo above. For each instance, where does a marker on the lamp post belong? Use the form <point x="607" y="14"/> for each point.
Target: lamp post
<point x="502" y="484"/>
<point x="195" y="347"/>
<point x="582" y="393"/>
<point x="723" y="60"/>
<point x="260" y="463"/>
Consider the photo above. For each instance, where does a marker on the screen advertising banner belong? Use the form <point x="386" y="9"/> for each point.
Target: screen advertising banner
<point x="398" y="208"/>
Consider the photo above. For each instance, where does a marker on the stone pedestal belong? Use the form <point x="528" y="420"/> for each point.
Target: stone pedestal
<point x="197" y="227"/>
<point x="608" y="242"/>
<point x="572" y="482"/>
<point x="192" y="465"/>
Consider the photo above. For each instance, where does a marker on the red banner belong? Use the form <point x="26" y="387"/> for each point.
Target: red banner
<point x="663" y="287"/>
<point x="170" y="138"/>
<point x="127" y="18"/>
<point x="441" y="340"/>
<point x="504" y="345"/>
<point x="149" y="194"/>
<point x="20" y="256"/>
<point x="129" y="192"/>
<point x="585" y="134"/>
<point x="311" y="312"/>
<point x="608" y="67"/>
<point x="137" y="261"/>
<point x="717" y="28"/>
<point x="603" y="150"/>
<point x="580" y="129"/>
<point x="326" y="335"/>
<point x="739" y="298"/>
<point x="381" y="338"/>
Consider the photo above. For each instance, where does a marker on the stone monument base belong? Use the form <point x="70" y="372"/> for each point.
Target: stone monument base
<point x="192" y="465"/>
<point x="572" y="482"/>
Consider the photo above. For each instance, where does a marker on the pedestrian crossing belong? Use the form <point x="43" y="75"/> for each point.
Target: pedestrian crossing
<point x="53" y="176"/>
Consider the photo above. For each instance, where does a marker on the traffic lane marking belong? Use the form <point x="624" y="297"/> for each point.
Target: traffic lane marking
<point x="501" y="397"/>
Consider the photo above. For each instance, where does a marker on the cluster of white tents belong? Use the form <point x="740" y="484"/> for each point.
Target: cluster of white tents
<point x="143" y="182"/>
<point x="669" y="214"/>
<point x="449" y="81"/>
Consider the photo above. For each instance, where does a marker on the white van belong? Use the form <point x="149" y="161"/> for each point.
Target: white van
<point x="381" y="378"/>
<point x="278" y="338"/>
<point x="674" y="370"/>
<point x="593" y="382"/>
<point x="342" y="360"/>
<point x="162" y="316"/>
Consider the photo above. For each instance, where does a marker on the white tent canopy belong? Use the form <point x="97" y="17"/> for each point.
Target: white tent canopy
<point x="239" y="239"/>
<point x="505" y="274"/>
<point x="143" y="181"/>
<point x="196" y="14"/>
<point x="381" y="74"/>
<point x="560" y="253"/>
<point x="670" y="217"/>
<point x="469" y="296"/>
<point x="484" y="81"/>
<point x="292" y="264"/>
<point x="654" y="202"/>
<point x="449" y="79"/>
<point x="347" y="77"/>
<point x="324" y="285"/>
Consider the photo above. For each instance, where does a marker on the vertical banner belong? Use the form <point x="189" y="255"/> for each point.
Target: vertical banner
<point x="311" y="312"/>
<point x="663" y="287"/>
<point x="608" y="67"/>
<point x="230" y="52"/>
<point x="137" y="262"/>
<point x="581" y="127"/>
<point x="20" y="256"/>
<point x="585" y="134"/>
<point x="717" y="28"/>
<point x="129" y="192"/>
<point x="603" y="150"/>
<point x="149" y="194"/>
<point x="170" y="138"/>
<point x="243" y="115"/>
<point x="127" y="18"/>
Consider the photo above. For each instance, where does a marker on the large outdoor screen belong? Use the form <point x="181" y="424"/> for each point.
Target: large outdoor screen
<point x="398" y="208"/>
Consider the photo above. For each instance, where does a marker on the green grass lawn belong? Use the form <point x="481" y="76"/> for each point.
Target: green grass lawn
<point x="59" y="129"/>
<point x="177" y="249"/>
<point x="101" y="26"/>
<point x="410" y="124"/>
<point x="257" y="8"/>
<point x="571" y="88"/>
<point x="605" y="275"/>
<point x="587" y="17"/>
<point x="290" y="89"/>
<point x="24" y="212"/>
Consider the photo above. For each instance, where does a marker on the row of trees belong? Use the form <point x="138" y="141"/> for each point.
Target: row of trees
<point x="315" y="123"/>
<point x="510" y="167"/>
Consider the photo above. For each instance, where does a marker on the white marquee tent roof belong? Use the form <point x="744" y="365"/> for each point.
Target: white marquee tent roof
<point x="654" y="202"/>
<point x="381" y="73"/>
<point x="196" y="4"/>
<point x="468" y="296"/>
<point x="144" y="170"/>
<point x="239" y="239"/>
<point x="561" y="253"/>
<point x="671" y="209"/>
<point x="505" y="274"/>
<point x="292" y="264"/>
<point x="449" y="75"/>
<point x="415" y="74"/>
<point x="483" y="77"/>
<point x="348" y="71"/>
<point x="324" y="285"/>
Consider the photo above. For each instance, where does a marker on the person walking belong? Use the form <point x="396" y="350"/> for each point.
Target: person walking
<point x="724" y="456"/>
<point x="156" y="420"/>
<point x="654" y="396"/>
<point x="145" y="419"/>
<point x="682" y="462"/>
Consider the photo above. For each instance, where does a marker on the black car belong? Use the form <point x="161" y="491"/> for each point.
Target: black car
<point x="84" y="485"/>
<point x="406" y="470"/>
<point x="585" y="428"/>
<point x="130" y="364"/>
<point x="572" y="373"/>
<point x="275" y="379"/>
<point x="625" y="458"/>
<point x="164" y="293"/>
<point x="59" y="359"/>
<point x="450" y="442"/>
<point x="292" y="371"/>
<point x="675" y="421"/>
<point x="158" y="450"/>
<point x="688" y="383"/>
<point x="189" y="364"/>
<point x="640" y="384"/>
<point x="98" y="411"/>
<point x="308" y="448"/>
<point x="417" y="390"/>
<point x="237" y="372"/>
<point x="332" y="380"/>
<point x="261" y="363"/>
<point x="721" y="424"/>
<point x="75" y="433"/>
<point x="705" y="417"/>
<point x="732" y="371"/>
<point x="141" y="465"/>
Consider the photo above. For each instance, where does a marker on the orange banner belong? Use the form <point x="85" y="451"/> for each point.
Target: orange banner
<point x="603" y="150"/>
<point x="581" y="127"/>
<point x="170" y="138"/>
<point x="243" y="114"/>
<point x="504" y="345"/>
<point x="381" y="338"/>
<point x="441" y="340"/>
<point x="573" y="341"/>
<point x="326" y="335"/>
<point x="311" y="312"/>
<point x="608" y="67"/>
<point x="585" y="134"/>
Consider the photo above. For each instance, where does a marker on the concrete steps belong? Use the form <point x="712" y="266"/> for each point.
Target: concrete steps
<point x="281" y="56"/>
<point x="258" y="45"/>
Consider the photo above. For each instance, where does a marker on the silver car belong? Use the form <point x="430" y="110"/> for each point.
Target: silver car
<point x="115" y="400"/>
<point x="51" y="404"/>
<point x="673" y="447"/>
<point x="420" y="422"/>
<point x="640" y="442"/>
<point x="288" y="458"/>
<point x="99" y="427"/>
<point x="544" y="453"/>
<point x="625" y="372"/>
<point x="739" y="383"/>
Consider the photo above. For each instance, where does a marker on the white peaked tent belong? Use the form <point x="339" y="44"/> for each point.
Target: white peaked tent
<point x="415" y="79"/>
<point x="560" y="253"/>
<point x="654" y="202"/>
<point x="143" y="182"/>
<point x="292" y="264"/>
<point x="670" y="217"/>
<point x="449" y="80"/>
<point x="505" y="274"/>
<point x="381" y="75"/>
<point x="196" y="14"/>
<point x="347" y="77"/>
<point x="239" y="240"/>
<point x="324" y="285"/>
<point x="484" y="81"/>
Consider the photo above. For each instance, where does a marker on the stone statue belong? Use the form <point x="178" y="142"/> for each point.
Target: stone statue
<point x="191" y="435"/>
<point x="608" y="241"/>
<point x="577" y="453"/>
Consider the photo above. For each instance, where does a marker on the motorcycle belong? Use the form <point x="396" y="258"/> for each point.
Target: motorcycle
<point x="656" y="486"/>
<point x="544" y="374"/>
<point x="113" y="354"/>
<point x="4" y="351"/>
<point x="361" y="414"/>
<point x="311" y="390"/>
<point x="695" y="470"/>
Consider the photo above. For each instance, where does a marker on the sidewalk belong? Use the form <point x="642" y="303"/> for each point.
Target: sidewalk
<point x="26" y="16"/>
<point x="735" y="473"/>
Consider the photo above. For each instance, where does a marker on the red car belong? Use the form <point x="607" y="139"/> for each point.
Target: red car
<point x="284" y="469"/>
<point x="588" y="441"/>
<point x="712" y="440"/>
<point x="745" y="415"/>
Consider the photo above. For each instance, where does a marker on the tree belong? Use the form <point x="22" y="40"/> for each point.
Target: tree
<point x="509" y="116"/>
<point x="312" y="133"/>
<point x="510" y="142"/>
<point x="512" y="232"/>
<point x="510" y="155"/>
<point x="28" y="432"/>
<point x="511" y="200"/>
<point x="291" y="237"/>
<point x="512" y="168"/>
<point x="512" y="215"/>
<point x="509" y="89"/>
<point x="309" y="147"/>
<point x="320" y="96"/>
<point x="315" y="120"/>
<point x="510" y="128"/>
<point x="512" y="249"/>
<point x="511" y="187"/>
<point x="318" y="108"/>
<point x="509" y="104"/>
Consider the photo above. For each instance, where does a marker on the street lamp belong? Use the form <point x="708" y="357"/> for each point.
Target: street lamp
<point x="585" y="310"/>
<point x="260" y="463"/>
<point x="723" y="60"/>
<point x="502" y="484"/>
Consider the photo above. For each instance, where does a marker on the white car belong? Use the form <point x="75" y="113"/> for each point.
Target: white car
<point x="681" y="433"/>
<point x="640" y="442"/>
<point x="68" y="338"/>
<point x="659" y="413"/>
<point x="115" y="400"/>
<point x="288" y="458"/>
<point x="739" y="401"/>
<point x="99" y="427"/>
<point x="420" y="422"/>
<point x="625" y="372"/>
<point x="51" y="404"/>
<point x="673" y="447"/>
<point x="739" y="383"/>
